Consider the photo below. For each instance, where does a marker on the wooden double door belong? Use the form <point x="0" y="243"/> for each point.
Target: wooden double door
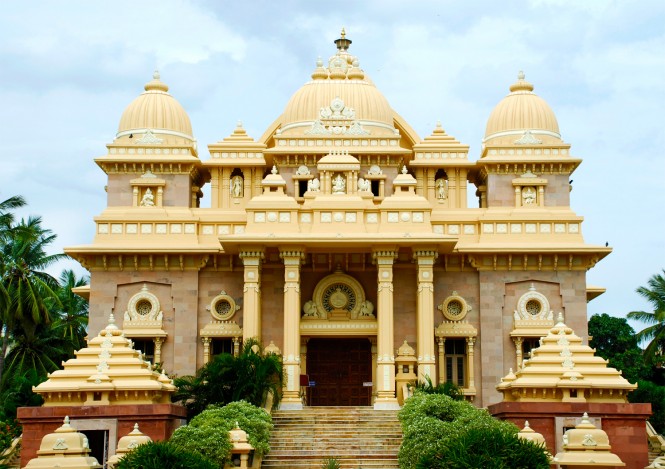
<point x="339" y="370"/>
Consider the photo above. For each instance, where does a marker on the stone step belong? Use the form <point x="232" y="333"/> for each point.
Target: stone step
<point x="355" y="436"/>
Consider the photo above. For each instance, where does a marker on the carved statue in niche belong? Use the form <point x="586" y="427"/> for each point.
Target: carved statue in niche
<point x="366" y="310"/>
<point x="148" y="199"/>
<point x="236" y="186"/>
<point x="339" y="185"/>
<point x="314" y="185"/>
<point x="529" y="196"/>
<point x="310" y="310"/>
<point x="441" y="189"/>
<point x="364" y="185"/>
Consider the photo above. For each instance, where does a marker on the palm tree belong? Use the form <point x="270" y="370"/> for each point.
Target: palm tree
<point x="30" y="292"/>
<point x="655" y="332"/>
<point x="250" y="376"/>
<point x="6" y="222"/>
<point x="71" y="317"/>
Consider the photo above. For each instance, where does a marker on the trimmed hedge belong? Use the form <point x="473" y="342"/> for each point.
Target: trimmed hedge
<point x="161" y="455"/>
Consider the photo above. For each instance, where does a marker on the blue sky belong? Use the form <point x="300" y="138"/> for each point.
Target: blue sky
<point x="69" y="68"/>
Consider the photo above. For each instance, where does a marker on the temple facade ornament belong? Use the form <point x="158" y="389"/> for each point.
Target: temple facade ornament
<point x="337" y="119"/>
<point x="236" y="186"/>
<point x="223" y="307"/>
<point x="454" y="307"/>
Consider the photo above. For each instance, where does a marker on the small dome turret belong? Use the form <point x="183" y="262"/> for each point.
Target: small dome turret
<point x="155" y="113"/>
<point x="522" y="117"/>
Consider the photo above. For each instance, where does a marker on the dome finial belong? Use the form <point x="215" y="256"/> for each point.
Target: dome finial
<point x="343" y="43"/>
<point x="520" y="75"/>
<point x="521" y="84"/>
<point x="156" y="84"/>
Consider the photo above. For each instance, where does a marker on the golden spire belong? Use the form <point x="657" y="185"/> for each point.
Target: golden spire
<point x="343" y="43"/>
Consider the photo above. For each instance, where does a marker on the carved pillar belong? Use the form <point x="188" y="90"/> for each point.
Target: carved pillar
<point x="518" y="196"/>
<point x="372" y="341"/>
<point x="136" y="197"/>
<point x="160" y="196"/>
<point x="292" y="258"/>
<point x="518" y="352"/>
<point x="541" y="196"/>
<point x="385" y="368"/>
<point x="442" y="360"/>
<point x="236" y="346"/>
<point x="206" y="349"/>
<point x="251" y="309"/>
<point x="470" y="358"/>
<point x="158" y="349"/>
<point x="425" y="313"/>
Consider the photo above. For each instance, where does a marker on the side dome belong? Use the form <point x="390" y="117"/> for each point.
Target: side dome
<point x="156" y="112"/>
<point x="340" y="99"/>
<point x="522" y="117"/>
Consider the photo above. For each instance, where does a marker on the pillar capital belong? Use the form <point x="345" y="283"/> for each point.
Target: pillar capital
<point x="425" y="254"/>
<point x="385" y="255"/>
<point x="251" y="255"/>
<point x="292" y="254"/>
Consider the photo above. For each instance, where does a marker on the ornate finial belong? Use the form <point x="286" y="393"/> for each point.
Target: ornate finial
<point x="239" y="124"/>
<point x="319" y="62"/>
<point x="559" y="320"/>
<point x="404" y="170"/>
<point x="145" y="287"/>
<point x="273" y="170"/>
<point x="585" y="418"/>
<point x="520" y="75"/>
<point x="526" y="424"/>
<point x="510" y="371"/>
<point x="155" y="75"/>
<point x="532" y="287"/>
<point x="66" y="421"/>
<point x="438" y="124"/>
<point x="111" y="325"/>
<point x="136" y="427"/>
<point x="343" y="43"/>
<point x="156" y="84"/>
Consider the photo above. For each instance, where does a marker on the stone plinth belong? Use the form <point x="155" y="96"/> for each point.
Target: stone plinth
<point x="625" y="424"/>
<point x="158" y="421"/>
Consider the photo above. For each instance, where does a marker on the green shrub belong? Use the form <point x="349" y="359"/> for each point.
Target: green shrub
<point x="433" y="423"/>
<point x="162" y="455"/>
<point x="254" y="420"/>
<point x="208" y="432"/>
<point x="495" y="447"/>
<point x="211" y="442"/>
<point x="9" y="430"/>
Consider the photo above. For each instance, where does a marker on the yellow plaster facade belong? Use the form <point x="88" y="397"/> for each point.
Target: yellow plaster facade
<point x="341" y="223"/>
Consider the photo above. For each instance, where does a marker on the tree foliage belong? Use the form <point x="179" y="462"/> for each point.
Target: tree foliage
<point x="615" y="340"/>
<point x="654" y="333"/>
<point x="250" y="376"/>
<point x="651" y="392"/>
<point x="434" y="425"/>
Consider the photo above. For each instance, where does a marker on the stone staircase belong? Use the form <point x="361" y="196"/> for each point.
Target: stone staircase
<point x="358" y="437"/>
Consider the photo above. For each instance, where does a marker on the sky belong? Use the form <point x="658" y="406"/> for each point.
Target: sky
<point x="68" y="69"/>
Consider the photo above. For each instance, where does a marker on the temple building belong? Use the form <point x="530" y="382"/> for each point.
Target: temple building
<point x="338" y="235"/>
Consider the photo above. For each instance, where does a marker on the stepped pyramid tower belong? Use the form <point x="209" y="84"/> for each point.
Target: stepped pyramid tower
<point x="338" y="234"/>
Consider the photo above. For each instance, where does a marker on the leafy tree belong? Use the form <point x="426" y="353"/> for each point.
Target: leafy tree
<point x="250" y="376"/>
<point x="615" y="340"/>
<point x="654" y="334"/>
<point x="161" y="455"/>
<point x="650" y="392"/>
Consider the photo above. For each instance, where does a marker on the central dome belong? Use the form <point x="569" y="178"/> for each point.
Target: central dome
<point x="342" y="94"/>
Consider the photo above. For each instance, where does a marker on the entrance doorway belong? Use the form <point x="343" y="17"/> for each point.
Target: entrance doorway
<point x="339" y="369"/>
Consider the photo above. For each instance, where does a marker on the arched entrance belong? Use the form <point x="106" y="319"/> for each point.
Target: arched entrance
<point x="339" y="370"/>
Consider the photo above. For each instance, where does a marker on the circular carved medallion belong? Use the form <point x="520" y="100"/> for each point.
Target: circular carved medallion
<point x="223" y="307"/>
<point x="454" y="308"/>
<point x="339" y="292"/>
